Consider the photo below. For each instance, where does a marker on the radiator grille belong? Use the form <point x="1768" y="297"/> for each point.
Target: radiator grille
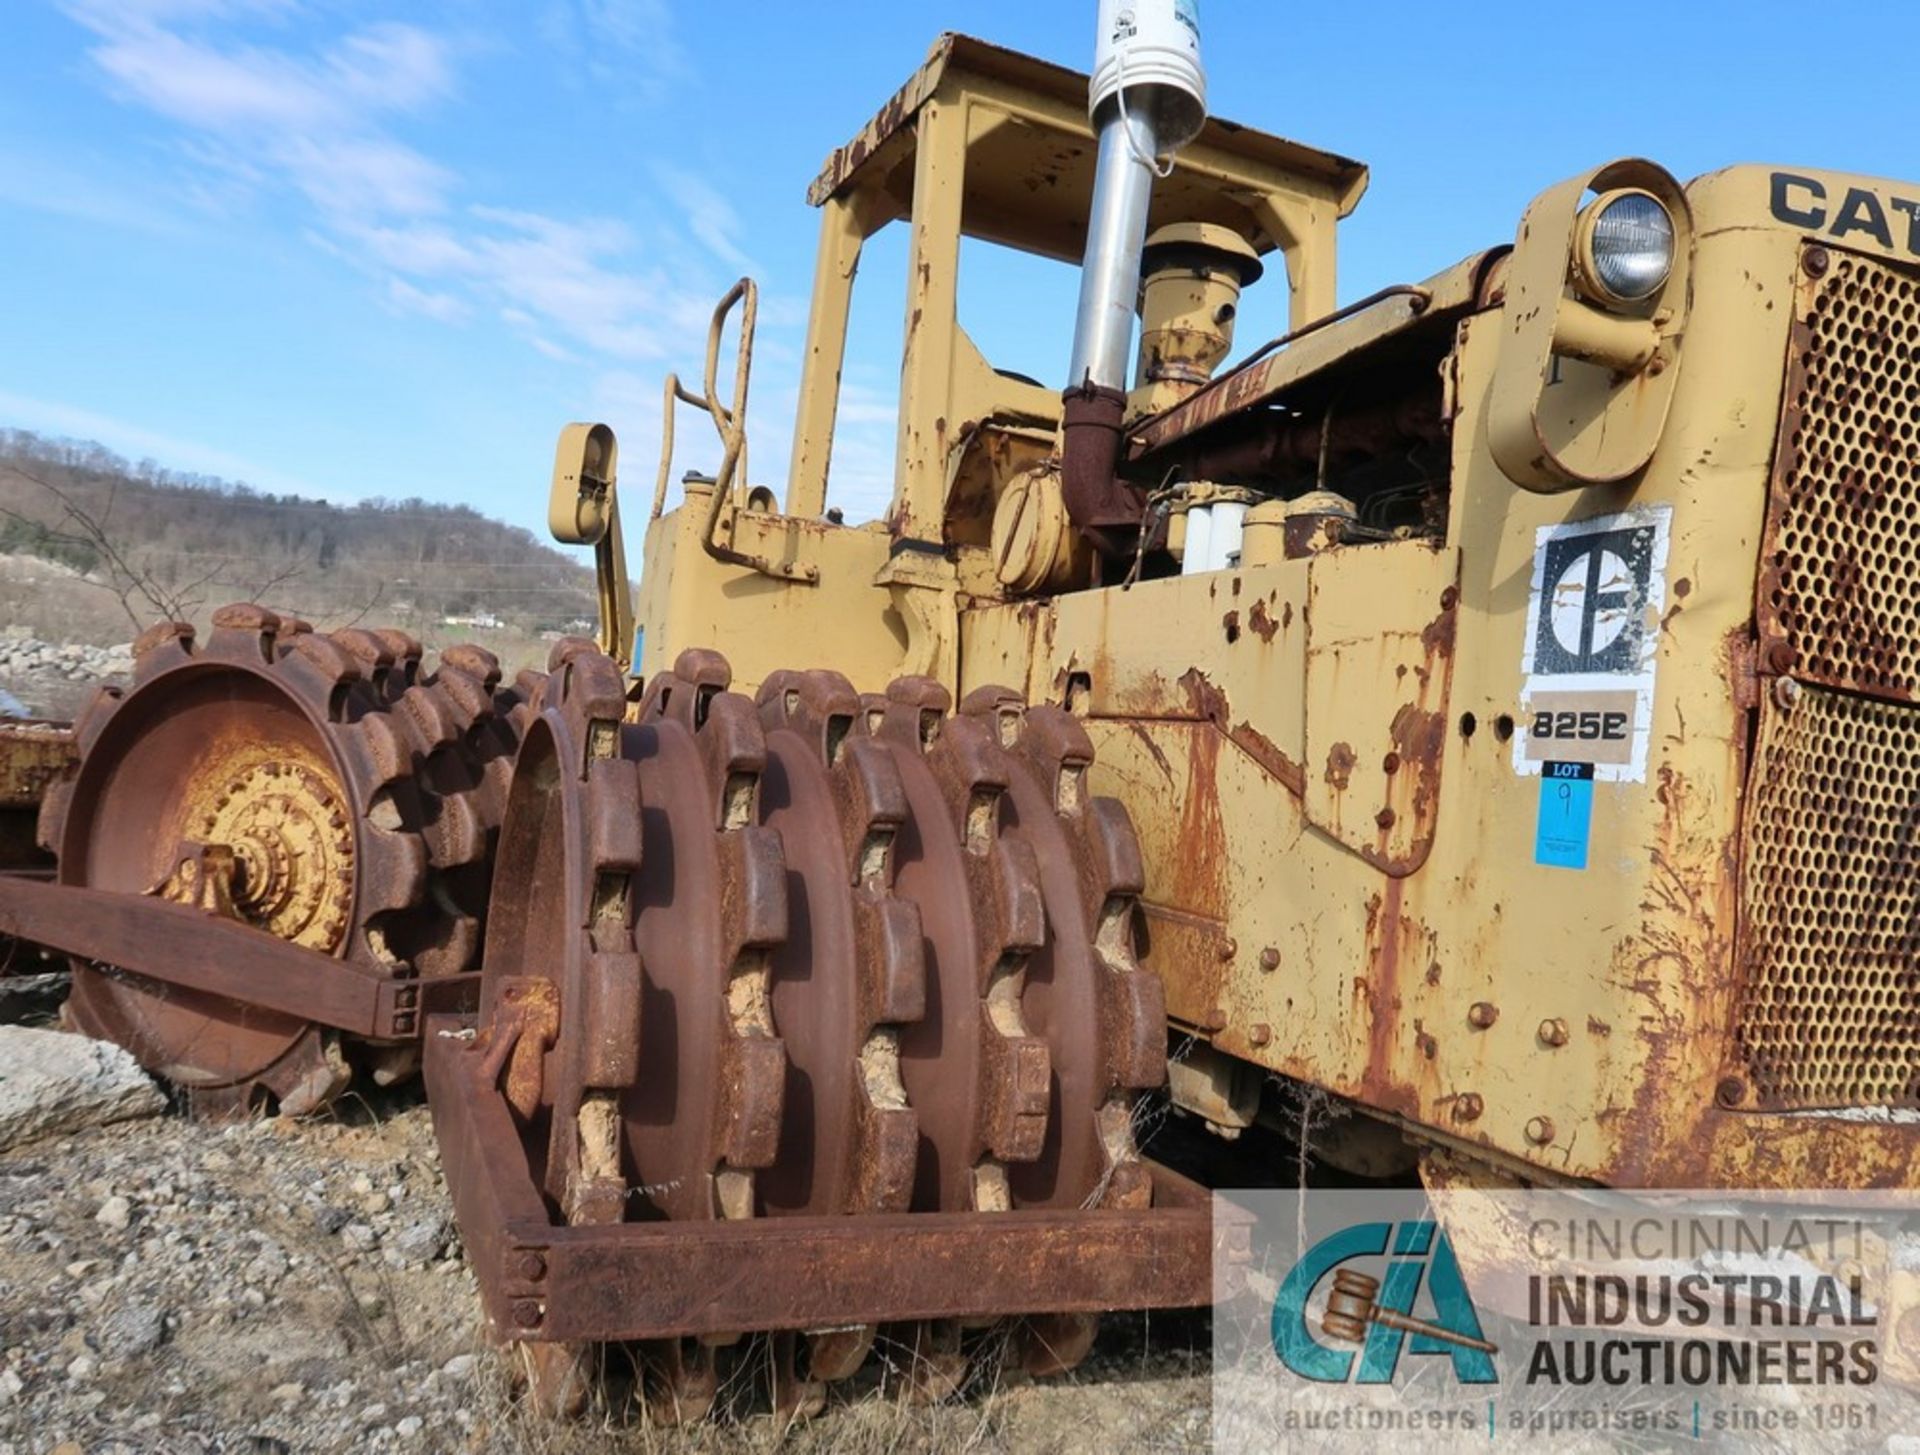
<point x="1832" y="923"/>
<point x="1830" y="892"/>
<point x="1842" y="584"/>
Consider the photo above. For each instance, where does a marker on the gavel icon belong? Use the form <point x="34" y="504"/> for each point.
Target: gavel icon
<point x="1353" y="1304"/>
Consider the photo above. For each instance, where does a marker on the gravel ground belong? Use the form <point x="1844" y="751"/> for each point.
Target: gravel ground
<point x="280" y="1286"/>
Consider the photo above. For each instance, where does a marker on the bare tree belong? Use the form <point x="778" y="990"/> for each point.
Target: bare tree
<point x="116" y="570"/>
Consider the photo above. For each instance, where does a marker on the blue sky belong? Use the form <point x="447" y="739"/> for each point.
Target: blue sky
<point x="388" y="247"/>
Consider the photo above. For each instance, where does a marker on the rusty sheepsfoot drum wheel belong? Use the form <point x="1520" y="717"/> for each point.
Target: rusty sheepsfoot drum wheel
<point x="277" y="775"/>
<point x="848" y="983"/>
<point x="1102" y="1015"/>
<point x="977" y="1076"/>
<point x="1037" y="982"/>
<point x="625" y="998"/>
<point x="841" y="956"/>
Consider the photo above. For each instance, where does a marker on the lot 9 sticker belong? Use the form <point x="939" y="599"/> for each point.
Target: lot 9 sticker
<point x="1593" y="627"/>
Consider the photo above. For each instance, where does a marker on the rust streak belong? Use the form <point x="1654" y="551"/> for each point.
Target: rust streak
<point x="1139" y="730"/>
<point x="1264" y="751"/>
<point x="1261" y="624"/>
<point x="1340" y="761"/>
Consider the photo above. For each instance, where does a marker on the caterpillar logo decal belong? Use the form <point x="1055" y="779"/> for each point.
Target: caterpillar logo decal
<point x="1858" y="214"/>
<point x="1593" y="623"/>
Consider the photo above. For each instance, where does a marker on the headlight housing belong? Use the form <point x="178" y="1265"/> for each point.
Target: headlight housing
<point x="1623" y="247"/>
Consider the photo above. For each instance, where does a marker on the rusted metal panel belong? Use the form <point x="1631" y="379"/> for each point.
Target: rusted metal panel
<point x="541" y="1280"/>
<point x="1828" y="1015"/>
<point x="1377" y="698"/>
<point x="33" y="755"/>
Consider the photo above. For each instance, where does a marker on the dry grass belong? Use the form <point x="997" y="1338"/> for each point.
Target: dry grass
<point x="1144" y="1388"/>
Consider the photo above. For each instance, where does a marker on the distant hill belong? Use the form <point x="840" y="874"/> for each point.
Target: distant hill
<point x="148" y="541"/>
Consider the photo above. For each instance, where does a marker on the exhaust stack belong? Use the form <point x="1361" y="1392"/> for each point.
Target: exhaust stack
<point x="1148" y="99"/>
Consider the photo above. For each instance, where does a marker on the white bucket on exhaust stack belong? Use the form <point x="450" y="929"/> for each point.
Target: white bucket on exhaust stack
<point x="1153" y="46"/>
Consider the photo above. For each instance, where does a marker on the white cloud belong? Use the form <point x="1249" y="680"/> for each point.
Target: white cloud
<point x="321" y="123"/>
<point x="137" y="441"/>
<point x="156" y="12"/>
<point x="568" y="281"/>
<point x="328" y="124"/>
<point x="391" y="66"/>
<point x="384" y="68"/>
<point x="79" y="187"/>
<point x="710" y="217"/>
<point x="625" y="46"/>
<point x="364" y="176"/>
<point x="441" y="307"/>
<point x="252" y="110"/>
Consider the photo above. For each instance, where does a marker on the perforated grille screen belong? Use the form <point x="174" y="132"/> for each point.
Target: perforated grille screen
<point x="1843" y="525"/>
<point x="1830" y="904"/>
<point x="1833" y="905"/>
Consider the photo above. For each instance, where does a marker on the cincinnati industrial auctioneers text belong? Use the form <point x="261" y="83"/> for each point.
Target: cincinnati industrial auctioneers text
<point x="1757" y="1327"/>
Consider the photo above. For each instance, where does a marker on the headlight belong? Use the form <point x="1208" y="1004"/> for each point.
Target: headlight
<point x="1624" y="247"/>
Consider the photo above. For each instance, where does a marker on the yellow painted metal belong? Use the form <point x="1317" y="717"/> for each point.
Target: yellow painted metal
<point x="1580" y="396"/>
<point x="1326" y="757"/>
<point x="583" y="509"/>
<point x="286" y="824"/>
<point x="687" y="599"/>
<point x="1035" y="546"/>
<point x="1479" y="994"/>
<point x="981" y="142"/>
<point x="1191" y="277"/>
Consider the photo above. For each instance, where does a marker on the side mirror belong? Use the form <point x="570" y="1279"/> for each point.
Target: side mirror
<point x="584" y="510"/>
<point x="585" y="466"/>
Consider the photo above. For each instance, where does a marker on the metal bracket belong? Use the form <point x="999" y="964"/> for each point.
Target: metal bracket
<point x="178" y="944"/>
<point x="543" y="1280"/>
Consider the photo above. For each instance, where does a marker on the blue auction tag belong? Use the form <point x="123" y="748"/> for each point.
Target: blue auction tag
<point x="1566" y="815"/>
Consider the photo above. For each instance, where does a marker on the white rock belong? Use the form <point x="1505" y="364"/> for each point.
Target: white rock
<point x="410" y="1427"/>
<point x="52" y="1083"/>
<point x="10" y="1384"/>
<point x="82" y="1367"/>
<point x="116" y="1213"/>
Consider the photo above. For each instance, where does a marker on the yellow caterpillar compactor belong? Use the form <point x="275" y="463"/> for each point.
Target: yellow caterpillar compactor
<point x="1491" y="704"/>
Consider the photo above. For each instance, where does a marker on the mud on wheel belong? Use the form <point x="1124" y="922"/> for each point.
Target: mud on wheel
<point x="321" y="788"/>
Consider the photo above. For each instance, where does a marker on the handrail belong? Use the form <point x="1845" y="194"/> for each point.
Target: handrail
<point x="731" y="424"/>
